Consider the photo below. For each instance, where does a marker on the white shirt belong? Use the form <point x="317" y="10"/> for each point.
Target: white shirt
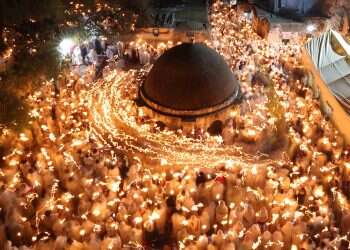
<point x="77" y="58"/>
<point x="92" y="56"/>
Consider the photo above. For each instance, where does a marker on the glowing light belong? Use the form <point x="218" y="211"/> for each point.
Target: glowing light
<point x="66" y="46"/>
<point x="154" y="216"/>
<point x="311" y="28"/>
<point x="110" y="115"/>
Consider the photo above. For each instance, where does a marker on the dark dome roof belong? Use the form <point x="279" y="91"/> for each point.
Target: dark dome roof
<point x="190" y="79"/>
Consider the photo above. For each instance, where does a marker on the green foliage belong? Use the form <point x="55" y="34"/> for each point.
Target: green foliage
<point x="20" y="79"/>
<point x="30" y="67"/>
<point x="137" y="5"/>
<point x="16" y="12"/>
<point x="2" y="46"/>
<point x="13" y="111"/>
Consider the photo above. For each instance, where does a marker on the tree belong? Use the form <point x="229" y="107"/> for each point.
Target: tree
<point x="18" y="11"/>
<point x="2" y="46"/>
<point x="137" y="5"/>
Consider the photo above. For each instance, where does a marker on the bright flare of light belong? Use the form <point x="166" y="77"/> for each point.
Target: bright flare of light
<point x="66" y="46"/>
<point x="311" y="28"/>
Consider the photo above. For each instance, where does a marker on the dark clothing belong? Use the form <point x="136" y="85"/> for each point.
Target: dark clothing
<point x="98" y="47"/>
<point x="84" y="52"/>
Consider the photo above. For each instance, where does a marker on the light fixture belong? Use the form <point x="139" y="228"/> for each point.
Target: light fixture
<point x="310" y="28"/>
<point x="65" y="47"/>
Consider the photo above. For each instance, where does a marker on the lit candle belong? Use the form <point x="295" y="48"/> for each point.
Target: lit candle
<point x="221" y="213"/>
<point x="217" y="190"/>
<point x="205" y="221"/>
<point x="100" y="211"/>
<point x="111" y="243"/>
<point x="202" y="242"/>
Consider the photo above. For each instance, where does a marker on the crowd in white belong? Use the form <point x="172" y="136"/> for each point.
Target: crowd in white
<point x="96" y="50"/>
<point x="63" y="188"/>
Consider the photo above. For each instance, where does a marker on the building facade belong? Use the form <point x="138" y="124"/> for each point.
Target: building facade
<point x="296" y="7"/>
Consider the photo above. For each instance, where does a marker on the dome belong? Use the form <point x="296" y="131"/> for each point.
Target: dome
<point x="190" y="80"/>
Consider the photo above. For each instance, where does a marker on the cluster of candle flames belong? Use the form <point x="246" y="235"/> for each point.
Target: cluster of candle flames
<point x="101" y="175"/>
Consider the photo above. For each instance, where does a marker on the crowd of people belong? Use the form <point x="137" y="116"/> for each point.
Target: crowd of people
<point x="63" y="187"/>
<point x="98" y="52"/>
